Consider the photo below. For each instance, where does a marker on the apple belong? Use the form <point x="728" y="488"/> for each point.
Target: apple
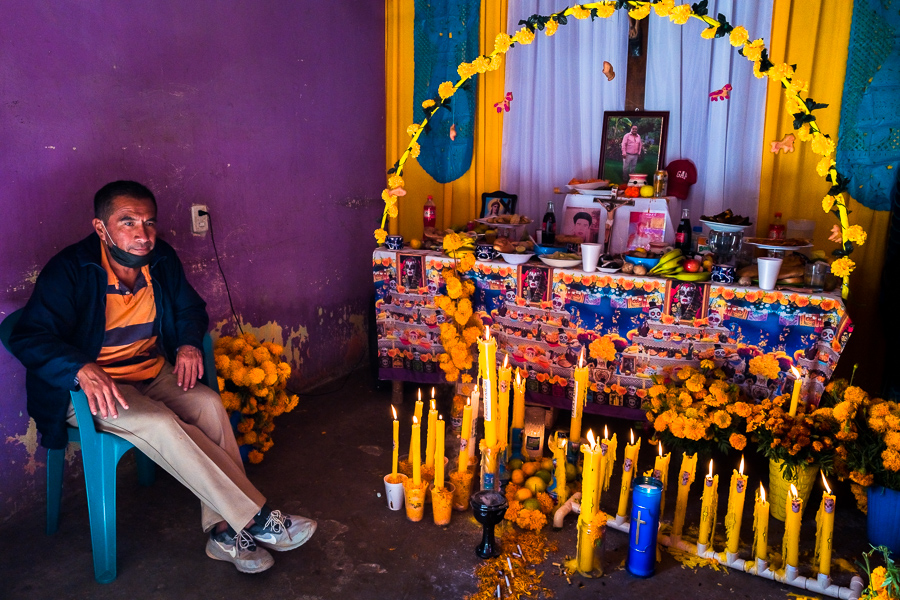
<point x="692" y="265"/>
<point x="646" y="191"/>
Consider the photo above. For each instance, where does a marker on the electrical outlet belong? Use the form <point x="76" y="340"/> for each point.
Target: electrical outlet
<point x="199" y="223"/>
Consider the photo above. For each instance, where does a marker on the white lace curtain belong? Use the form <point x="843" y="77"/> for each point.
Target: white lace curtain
<point x="553" y="130"/>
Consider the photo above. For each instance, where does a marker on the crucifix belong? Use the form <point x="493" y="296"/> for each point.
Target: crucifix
<point x="637" y="530"/>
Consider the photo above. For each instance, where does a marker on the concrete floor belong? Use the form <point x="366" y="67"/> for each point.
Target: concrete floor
<point x="329" y="458"/>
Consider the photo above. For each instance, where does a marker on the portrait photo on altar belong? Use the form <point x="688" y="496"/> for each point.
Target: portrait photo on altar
<point x="581" y="221"/>
<point x="686" y="300"/>
<point x="411" y="275"/>
<point x="534" y="283"/>
<point x="633" y="142"/>
<point x="494" y="204"/>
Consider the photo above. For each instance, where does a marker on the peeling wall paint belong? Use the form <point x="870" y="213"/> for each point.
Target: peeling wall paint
<point x="246" y="111"/>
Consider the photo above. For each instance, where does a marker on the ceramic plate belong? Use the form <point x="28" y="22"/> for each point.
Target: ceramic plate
<point x="590" y="185"/>
<point x="560" y="263"/>
<point x="516" y="259"/>
<point x="724" y="226"/>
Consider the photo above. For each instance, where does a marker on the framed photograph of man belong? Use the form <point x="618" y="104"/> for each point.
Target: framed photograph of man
<point x="534" y="283"/>
<point x="633" y="142"/>
<point x="686" y="300"/>
<point x="498" y="203"/>
<point x="583" y="217"/>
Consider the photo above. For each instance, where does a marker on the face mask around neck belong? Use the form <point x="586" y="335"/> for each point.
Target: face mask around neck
<point x="127" y="259"/>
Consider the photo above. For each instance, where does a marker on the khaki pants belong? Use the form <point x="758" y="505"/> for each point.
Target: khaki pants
<point x="187" y="434"/>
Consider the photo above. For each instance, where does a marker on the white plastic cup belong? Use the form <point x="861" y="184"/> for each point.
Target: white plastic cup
<point x="768" y="272"/>
<point x="394" y="492"/>
<point x="590" y="256"/>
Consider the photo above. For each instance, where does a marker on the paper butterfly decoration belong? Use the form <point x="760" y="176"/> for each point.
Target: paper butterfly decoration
<point x="504" y="104"/>
<point x="785" y="144"/>
<point x="720" y="94"/>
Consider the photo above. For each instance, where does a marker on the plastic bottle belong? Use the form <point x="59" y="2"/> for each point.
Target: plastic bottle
<point x="776" y="228"/>
<point x="430" y="213"/>
<point x="695" y="240"/>
<point x="684" y="231"/>
<point x="548" y="226"/>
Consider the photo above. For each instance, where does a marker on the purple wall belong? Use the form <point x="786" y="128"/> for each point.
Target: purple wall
<point x="271" y="113"/>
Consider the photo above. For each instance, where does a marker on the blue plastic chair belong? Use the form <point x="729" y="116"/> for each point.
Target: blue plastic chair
<point x="100" y="453"/>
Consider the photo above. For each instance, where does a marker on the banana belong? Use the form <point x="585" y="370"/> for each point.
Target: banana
<point x="699" y="276"/>
<point x="670" y="258"/>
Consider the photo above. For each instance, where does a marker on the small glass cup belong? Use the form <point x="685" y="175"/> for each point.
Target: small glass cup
<point x="814" y="275"/>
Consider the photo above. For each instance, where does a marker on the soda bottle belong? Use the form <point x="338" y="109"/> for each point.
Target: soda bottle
<point x="430" y="213"/>
<point x="683" y="233"/>
<point x="548" y="226"/>
<point x="776" y="228"/>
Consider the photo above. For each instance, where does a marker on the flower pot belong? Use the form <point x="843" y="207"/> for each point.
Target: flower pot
<point x="883" y="518"/>
<point x="779" y="487"/>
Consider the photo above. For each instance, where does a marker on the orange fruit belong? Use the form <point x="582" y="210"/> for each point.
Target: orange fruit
<point x="517" y="477"/>
<point x="530" y="468"/>
<point x="523" y="494"/>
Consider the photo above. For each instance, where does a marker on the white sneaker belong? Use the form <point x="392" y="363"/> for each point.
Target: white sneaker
<point x="239" y="550"/>
<point x="282" y="532"/>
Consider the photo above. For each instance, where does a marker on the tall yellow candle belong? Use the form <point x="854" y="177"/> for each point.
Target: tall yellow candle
<point x="761" y="525"/>
<point x="439" y="454"/>
<point x="396" y="447"/>
<point x="708" y="507"/>
<point x="825" y="529"/>
<point x="503" y="385"/>
<point x="581" y="380"/>
<point x="518" y="418"/>
<point x="661" y="472"/>
<point x="793" y="510"/>
<point x="476" y="398"/>
<point x="589" y="483"/>
<point x="464" y="437"/>
<point x="487" y="368"/>
<point x="795" y="395"/>
<point x="607" y="461"/>
<point x="429" y="435"/>
<point x="558" y="448"/>
<point x="416" y="452"/>
<point x="737" y="492"/>
<point x="629" y="467"/>
<point x="418" y="415"/>
<point x="686" y="476"/>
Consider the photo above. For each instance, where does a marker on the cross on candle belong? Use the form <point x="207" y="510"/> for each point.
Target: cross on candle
<point x="638" y="522"/>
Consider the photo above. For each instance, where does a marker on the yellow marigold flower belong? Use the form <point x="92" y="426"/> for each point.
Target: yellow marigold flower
<point x="463" y="311"/>
<point x="793" y="105"/>
<point x="580" y="12"/>
<point x="245" y="425"/>
<point x="602" y="348"/>
<point x="828" y="202"/>
<point x="293" y="403"/>
<point x="445" y="90"/>
<point x="496" y="61"/>
<point x="524" y="36"/>
<point x="415" y="149"/>
<point x="502" y="42"/>
<point x="454" y="288"/>
<point x="664" y="7"/>
<point x="642" y="11"/>
<point x="395" y="181"/>
<point x="753" y="50"/>
<point x="756" y="70"/>
<point x="452" y="241"/>
<point x="738" y="36"/>
<point x="426" y="104"/>
<point x="467" y="262"/>
<point x="412" y="129"/>
<point x="680" y="14"/>
<point x="255" y="457"/>
<point x="842" y="267"/>
<point x="551" y="27"/>
<point x="824" y="166"/>
<point x="238" y="345"/>
<point x="709" y="33"/>
<point x="481" y="64"/>
<point x="766" y="365"/>
<point x="856" y="234"/>
<point x="804" y="133"/>
<point x="284" y="369"/>
<point x="695" y="383"/>
<point x="721" y="419"/>
<point x="471" y="334"/>
<point x="822" y="144"/>
<point x="606" y="10"/>
<point x="656" y="390"/>
<point x="380" y="235"/>
<point x="863" y="480"/>
<point x="796" y="86"/>
<point x="261" y="354"/>
<point x="780" y="71"/>
<point x="250" y="437"/>
<point x="238" y="374"/>
<point x="737" y="441"/>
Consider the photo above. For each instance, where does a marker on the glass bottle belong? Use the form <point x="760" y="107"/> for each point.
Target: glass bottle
<point x="548" y="226"/>
<point x="776" y="228"/>
<point x="430" y="213"/>
<point x="684" y="231"/>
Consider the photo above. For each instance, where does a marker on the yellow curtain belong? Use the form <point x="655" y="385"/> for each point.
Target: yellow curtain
<point x="814" y="35"/>
<point x="459" y="201"/>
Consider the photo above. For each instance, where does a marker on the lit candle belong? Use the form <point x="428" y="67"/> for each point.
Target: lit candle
<point x="708" y="507"/>
<point x="589" y="484"/>
<point x="795" y="396"/>
<point x="793" y="510"/>
<point x="487" y="368"/>
<point x="417" y="413"/>
<point x="476" y="397"/>
<point x="581" y="379"/>
<point x="686" y="477"/>
<point x="439" y="455"/>
<point x="503" y="386"/>
<point x="824" y="529"/>
<point x="661" y="472"/>
<point x="761" y="525"/>
<point x="518" y="418"/>
<point x="558" y="448"/>
<point x="429" y="435"/>
<point x="629" y="467"/>
<point x="464" y="436"/>
<point x="416" y="452"/>
<point x="737" y="492"/>
<point x="396" y="448"/>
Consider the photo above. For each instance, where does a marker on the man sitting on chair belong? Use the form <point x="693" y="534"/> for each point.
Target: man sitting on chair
<point x="112" y="314"/>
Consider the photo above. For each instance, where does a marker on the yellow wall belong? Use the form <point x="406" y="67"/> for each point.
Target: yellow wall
<point x="459" y="201"/>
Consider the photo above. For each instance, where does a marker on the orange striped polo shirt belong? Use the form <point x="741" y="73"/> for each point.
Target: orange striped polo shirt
<point x="129" y="350"/>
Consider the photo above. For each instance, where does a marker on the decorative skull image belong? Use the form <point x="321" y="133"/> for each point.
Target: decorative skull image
<point x="393" y="285"/>
<point x="827" y="333"/>
<point x="432" y="287"/>
<point x="627" y="465"/>
<point x="558" y="303"/>
<point x="417" y="355"/>
<point x="535" y="284"/>
<point x="829" y="505"/>
<point x="657" y="474"/>
<point x="715" y="319"/>
<point x="412" y="272"/>
<point x="441" y="317"/>
<point x="510" y="294"/>
<point x="739" y="486"/>
<point x="563" y="337"/>
<point x="655" y="313"/>
<point x="685" y="477"/>
<point x="687" y="300"/>
<point x="667" y="335"/>
<point x="720" y="351"/>
<point x="795" y="505"/>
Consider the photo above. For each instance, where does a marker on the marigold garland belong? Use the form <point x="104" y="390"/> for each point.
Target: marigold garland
<point x="252" y="377"/>
<point x="462" y="326"/>
<point x="755" y="51"/>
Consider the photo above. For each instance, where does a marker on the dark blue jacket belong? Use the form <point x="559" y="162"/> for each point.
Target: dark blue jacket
<point x="64" y="323"/>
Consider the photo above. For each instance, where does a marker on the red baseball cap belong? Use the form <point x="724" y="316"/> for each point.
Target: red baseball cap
<point x="682" y="175"/>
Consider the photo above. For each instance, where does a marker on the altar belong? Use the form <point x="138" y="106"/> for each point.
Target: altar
<point x="544" y="318"/>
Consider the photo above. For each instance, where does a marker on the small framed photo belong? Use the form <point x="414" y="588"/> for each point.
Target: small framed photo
<point x="633" y="142"/>
<point x="534" y="283"/>
<point x="686" y="300"/>
<point x="494" y="204"/>
<point x="411" y="272"/>
<point x="583" y="221"/>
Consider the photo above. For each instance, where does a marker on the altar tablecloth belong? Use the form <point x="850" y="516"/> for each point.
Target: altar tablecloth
<point x="544" y="317"/>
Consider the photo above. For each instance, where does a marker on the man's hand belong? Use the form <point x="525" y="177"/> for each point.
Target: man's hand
<point x="101" y="391"/>
<point x="188" y="366"/>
